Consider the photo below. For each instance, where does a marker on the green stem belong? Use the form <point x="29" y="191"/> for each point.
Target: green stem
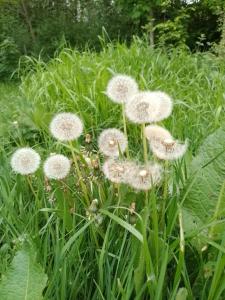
<point x="182" y="242"/>
<point x="144" y="141"/>
<point x="80" y="178"/>
<point x="125" y="128"/>
<point x="31" y="186"/>
<point x="165" y="194"/>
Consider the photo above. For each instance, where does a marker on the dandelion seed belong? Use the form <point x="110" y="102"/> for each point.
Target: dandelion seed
<point x="112" y="142"/>
<point x="143" y="177"/>
<point x="168" y="149"/>
<point x="66" y="127"/>
<point x="143" y="108"/>
<point x="116" y="170"/>
<point x="121" y="88"/>
<point x="25" y="161"/>
<point x="57" y="166"/>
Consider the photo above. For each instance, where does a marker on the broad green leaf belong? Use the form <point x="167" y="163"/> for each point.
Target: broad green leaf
<point x="205" y="201"/>
<point x="25" y="279"/>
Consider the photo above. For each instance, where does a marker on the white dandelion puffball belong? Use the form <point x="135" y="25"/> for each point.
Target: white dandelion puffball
<point x="116" y="170"/>
<point x="25" y="161"/>
<point x="66" y="127"/>
<point x="166" y="105"/>
<point x="168" y="149"/>
<point x="121" y="88"/>
<point x="143" y="108"/>
<point x="57" y="166"/>
<point x="143" y="177"/>
<point x="112" y="142"/>
<point x="155" y="132"/>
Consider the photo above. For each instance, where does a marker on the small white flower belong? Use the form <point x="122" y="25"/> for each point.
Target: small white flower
<point x="57" y="166"/>
<point x="66" y="127"/>
<point x="143" y="177"/>
<point x="25" y="161"/>
<point x="143" y="108"/>
<point x="116" y="170"/>
<point x="112" y="142"/>
<point x="121" y="88"/>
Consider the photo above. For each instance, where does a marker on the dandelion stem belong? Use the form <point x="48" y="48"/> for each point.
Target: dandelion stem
<point x="125" y="128"/>
<point x="145" y="149"/>
<point x="165" y="194"/>
<point x="31" y="186"/>
<point x="182" y="242"/>
<point x="80" y="178"/>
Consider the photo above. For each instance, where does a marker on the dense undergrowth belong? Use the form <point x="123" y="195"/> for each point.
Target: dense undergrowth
<point x="116" y="259"/>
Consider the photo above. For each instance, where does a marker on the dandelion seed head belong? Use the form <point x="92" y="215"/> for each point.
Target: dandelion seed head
<point x="66" y="127"/>
<point x="143" y="108"/>
<point x="25" y="161"/>
<point x="121" y="88"/>
<point x="117" y="170"/>
<point x="166" y="105"/>
<point x="57" y="166"/>
<point x="143" y="177"/>
<point x="155" y="132"/>
<point x="168" y="149"/>
<point x="111" y="142"/>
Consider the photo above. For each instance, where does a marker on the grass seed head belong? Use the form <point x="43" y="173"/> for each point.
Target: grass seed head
<point x="121" y="88"/>
<point x="112" y="142"/>
<point x="66" y="127"/>
<point x="57" y="167"/>
<point x="25" y="161"/>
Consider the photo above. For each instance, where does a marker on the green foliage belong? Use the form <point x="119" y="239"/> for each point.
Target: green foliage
<point x="42" y="27"/>
<point x="114" y="259"/>
<point x="25" y="279"/>
<point x="9" y="56"/>
<point x="206" y="195"/>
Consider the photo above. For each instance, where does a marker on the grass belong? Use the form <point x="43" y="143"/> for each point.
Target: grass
<point x="114" y="260"/>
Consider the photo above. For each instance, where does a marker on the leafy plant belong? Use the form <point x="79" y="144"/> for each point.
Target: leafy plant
<point x="25" y="279"/>
<point x="205" y="200"/>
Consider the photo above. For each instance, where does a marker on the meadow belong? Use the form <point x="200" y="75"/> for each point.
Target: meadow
<point x="56" y="242"/>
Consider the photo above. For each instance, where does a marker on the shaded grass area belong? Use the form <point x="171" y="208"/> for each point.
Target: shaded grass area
<point x="114" y="260"/>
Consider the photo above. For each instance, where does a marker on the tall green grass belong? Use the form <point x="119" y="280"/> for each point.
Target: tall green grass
<point x="114" y="260"/>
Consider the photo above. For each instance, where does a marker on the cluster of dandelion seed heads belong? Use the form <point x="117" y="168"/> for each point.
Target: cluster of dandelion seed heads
<point x="112" y="142"/>
<point x="66" y="127"/>
<point x="140" y="177"/>
<point x="162" y="143"/>
<point x="121" y="88"/>
<point x="25" y="161"/>
<point x="57" y="166"/>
